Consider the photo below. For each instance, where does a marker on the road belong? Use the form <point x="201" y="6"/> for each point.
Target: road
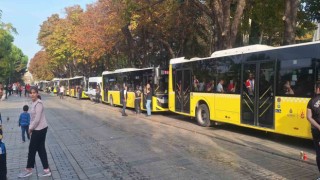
<point x="93" y="141"/>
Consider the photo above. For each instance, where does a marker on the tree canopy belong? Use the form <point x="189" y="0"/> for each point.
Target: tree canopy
<point x="137" y="33"/>
<point x="13" y="63"/>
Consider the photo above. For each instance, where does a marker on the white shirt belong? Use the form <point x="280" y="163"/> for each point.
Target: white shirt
<point x="219" y="88"/>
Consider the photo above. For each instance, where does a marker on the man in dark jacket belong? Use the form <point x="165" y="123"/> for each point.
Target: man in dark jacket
<point x="124" y="97"/>
<point x="313" y="116"/>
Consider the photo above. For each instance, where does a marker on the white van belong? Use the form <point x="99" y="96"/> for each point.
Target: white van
<point x="92" y="85"/>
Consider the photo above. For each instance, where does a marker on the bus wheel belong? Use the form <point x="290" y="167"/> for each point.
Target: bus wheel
<point x="203" y="115"/>
<point x="111" y="101"/>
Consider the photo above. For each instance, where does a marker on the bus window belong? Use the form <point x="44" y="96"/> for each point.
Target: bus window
<point x="296" y="77"/>
<point x="92" y="85"/>
<point x="162" y="86"/>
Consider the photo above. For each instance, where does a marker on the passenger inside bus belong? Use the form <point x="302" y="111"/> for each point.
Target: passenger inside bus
<point x="220" y="86"/>
<point x="250" y="84"/>
<point x="210" y="86"/>
<point x="202" y="85"/>
<point x="287" y="88"/>
<point x="232" y="86"/>
<point x="195" y="83"/>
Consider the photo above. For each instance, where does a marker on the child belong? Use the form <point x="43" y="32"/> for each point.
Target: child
<point x="24" y="122"/>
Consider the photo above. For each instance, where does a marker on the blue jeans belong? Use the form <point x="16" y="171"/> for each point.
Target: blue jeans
<point x="25" y="129"/>
<point x="148" y="107"/>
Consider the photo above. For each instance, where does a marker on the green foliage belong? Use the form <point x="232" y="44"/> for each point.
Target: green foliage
<point x="13" y="62"/>
<point x="138" y="33"/>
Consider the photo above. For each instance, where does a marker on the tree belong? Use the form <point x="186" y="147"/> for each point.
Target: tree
<point x="290" y="19"/>
<point x="40" y="66"/>
<point x="225" y="17"/>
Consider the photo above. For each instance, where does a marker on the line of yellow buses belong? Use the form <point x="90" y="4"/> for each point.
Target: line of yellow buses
<point x="260" y="87"/>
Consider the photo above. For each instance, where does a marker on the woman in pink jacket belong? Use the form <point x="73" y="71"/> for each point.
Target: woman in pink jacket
<point x="38" y="130"/>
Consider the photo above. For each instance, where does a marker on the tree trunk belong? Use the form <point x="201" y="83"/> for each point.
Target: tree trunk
<point x="125" y="30"/>
<point x="227" y="30"/>
<point x="289" y="18"/>
<point x="168" y="47"/>
<point x="236" y="21"/>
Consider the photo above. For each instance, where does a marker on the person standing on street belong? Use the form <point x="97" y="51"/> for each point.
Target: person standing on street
<point x="38" y="131"/>
<point x="313" y="116"/>
<point x="6" y="89"/>
<point x="98" y="92"/>
<point x="1" y="90"/>
<point x="20" y="88"/>
<point x="24" y="122"/>
<point x="148" y="97"/>
<point x="137" y="100"/>
<point x="61" y="91"/>
<point x="124" y="97"/>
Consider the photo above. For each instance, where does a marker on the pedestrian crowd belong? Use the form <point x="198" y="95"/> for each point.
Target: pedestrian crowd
<point x="16" y="89"/>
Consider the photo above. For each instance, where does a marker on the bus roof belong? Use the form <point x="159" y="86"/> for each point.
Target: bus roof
<point x="125" y="70"/>
<point x="107" y="72"/>
<point x="56" y="79"/>
<point x="76" y="77"/>
<point x="95" y="78"/>
<point x="239" y="50"/>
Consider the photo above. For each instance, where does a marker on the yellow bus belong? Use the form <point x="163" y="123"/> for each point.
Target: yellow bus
<point x="78" y="85"/>
<point x="112" y="84"/>
<point x="55" y="84"/>
<point x="43" y="85"/>
<point x="261" y="87"/>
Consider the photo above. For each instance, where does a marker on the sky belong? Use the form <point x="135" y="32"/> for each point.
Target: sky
<point x="27" y="16"/>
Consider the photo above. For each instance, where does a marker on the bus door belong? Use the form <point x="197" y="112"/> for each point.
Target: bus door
<point x="182" y="90"/>
<point x="257" y="103"/>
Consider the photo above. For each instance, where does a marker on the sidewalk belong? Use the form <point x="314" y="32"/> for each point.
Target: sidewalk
<point x="17" y="152"/>
<point x="72" y="162"/>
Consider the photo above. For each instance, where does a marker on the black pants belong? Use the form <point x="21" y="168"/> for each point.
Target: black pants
<point x="3" y="165"/>
<point x="97" y="98"/>
<point x="137" y="103"/>
<point x="37" y="144"/>
<point x="124" y="107"/>
<point x="316" y="141"/>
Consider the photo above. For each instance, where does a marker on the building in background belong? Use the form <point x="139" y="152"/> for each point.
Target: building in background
<point x="27" y="78"/>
